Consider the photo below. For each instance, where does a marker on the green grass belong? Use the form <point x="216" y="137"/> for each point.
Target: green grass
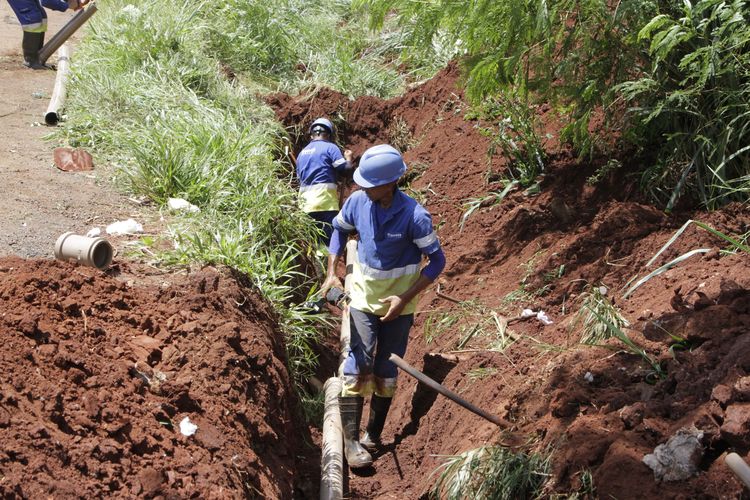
<point x="492" y="472"/>
<point x="597" y="312"/>
<point x="736" y="244"/>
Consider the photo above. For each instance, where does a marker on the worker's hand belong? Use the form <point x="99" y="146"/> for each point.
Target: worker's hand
<point x="82" y="3"/>
<point x="348" y="155"/>
<point x="74" y="4"/>
<point x="330" y="282"/>
<point x="394" y="310"/>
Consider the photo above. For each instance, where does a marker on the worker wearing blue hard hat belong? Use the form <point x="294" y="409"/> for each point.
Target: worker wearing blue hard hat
<point x="318" y="166"/>
<point x="395" y="233"/>
<point x="33" y="19"/>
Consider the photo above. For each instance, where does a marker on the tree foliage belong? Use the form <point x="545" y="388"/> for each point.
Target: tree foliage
<point x="693" y="102"/>
<point x="681" y="68"/>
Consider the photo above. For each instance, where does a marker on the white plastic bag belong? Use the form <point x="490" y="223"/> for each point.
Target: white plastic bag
<point x="129" y="226"/>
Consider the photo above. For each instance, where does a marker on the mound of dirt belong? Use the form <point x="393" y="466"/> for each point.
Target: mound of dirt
<point x="598" y="409"/>
<point x="100" y="374"/>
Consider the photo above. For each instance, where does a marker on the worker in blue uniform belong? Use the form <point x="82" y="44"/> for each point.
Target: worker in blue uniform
<point x="33" y="19"/>
<point x="318" y="166"/>
<point x="395" y="233"/>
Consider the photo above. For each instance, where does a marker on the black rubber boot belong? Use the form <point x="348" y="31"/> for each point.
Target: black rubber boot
<point x="32" y="43"/>
<point x="378" y="411"/>
<point x="350" y="408"/>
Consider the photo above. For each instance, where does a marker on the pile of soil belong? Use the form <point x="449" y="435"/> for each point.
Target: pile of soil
<point x="100" y="371"/>
<point x="597" y="409"/>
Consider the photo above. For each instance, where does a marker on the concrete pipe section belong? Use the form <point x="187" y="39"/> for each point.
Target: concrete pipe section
<point x="94" y="252"/>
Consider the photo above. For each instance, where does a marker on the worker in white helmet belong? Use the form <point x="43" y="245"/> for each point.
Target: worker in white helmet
<point x="395" y="233"/>
<point x="318" y="166"/>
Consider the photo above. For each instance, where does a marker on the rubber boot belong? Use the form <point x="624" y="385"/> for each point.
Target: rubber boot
<point x="32" y="43"/>
<point x="351" y="414"/>
<point x="379" y="407"/>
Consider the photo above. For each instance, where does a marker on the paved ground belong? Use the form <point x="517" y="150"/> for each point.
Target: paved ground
<point x="38" y="202"/>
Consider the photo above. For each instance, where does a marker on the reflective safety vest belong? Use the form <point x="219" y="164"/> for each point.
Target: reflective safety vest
<point x="31" y="14"/>
<point x="392" y="242"/>
<point x="317" y="166"/>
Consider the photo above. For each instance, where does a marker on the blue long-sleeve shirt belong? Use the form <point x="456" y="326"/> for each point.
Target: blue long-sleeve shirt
<point x="392" y="242"/>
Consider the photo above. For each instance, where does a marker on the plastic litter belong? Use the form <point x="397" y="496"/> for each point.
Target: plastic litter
<point x="93" y="232"/>
<point x="541" y="316"/>
<point x="179" y="205"/>
<point x="589" y="377"/>
<point x="129" y="226"/>
<point x="187" y="428"/>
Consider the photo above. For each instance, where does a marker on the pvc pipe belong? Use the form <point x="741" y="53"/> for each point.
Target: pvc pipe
<point x="345" y="335"/>
<point x="739" y="467"/>
<point x="444" y="391"/>
<point x="66" y="32"/>
<point x="94" y="252"/>
<point x="56" y="103"/>
<point x="332" y="456"/>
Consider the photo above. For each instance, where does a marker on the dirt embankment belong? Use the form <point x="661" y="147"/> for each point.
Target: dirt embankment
<point x="99" y="372"/>
<point x="599" y="409"/>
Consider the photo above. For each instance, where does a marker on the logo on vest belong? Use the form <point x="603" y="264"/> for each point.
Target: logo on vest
<point x="393" y="235"/>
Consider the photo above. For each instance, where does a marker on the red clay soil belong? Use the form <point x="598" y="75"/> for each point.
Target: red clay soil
<point x="541" y="252"/>
<point x="99" y="370"/>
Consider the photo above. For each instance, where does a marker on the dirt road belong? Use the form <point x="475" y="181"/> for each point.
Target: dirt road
<point x="38" y="202"/>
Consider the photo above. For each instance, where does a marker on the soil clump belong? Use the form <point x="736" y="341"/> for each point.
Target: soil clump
<point x="100" y="370"/>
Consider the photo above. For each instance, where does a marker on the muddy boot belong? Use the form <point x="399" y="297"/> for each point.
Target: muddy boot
<point x="351" y="414"/>
<point x="32" y="43"/>
<point x="378" y="411"/>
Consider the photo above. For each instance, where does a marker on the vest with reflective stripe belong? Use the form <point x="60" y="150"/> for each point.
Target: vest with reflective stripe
<point x="317" y="165"/>
<point x="392" y="242"/>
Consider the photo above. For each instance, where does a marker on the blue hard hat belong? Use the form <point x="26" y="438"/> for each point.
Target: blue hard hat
<point x="379" y="165"/>
<point x="322" y="122"/>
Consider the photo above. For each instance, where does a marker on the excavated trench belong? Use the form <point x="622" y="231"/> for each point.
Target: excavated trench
<point x="542" y="252"/>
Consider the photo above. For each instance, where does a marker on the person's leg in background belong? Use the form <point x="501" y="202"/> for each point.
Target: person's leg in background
<point x="324" y="222"/>
<point x="33" y="19"/>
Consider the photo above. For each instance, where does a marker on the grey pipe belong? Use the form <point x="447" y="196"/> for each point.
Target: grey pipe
<point x="56" y="103"/>
<point x="94" y="252"/>
<point x="739" y="467"/>
<point x="66" y="32"/>
<point x="332" y="450"/>
<point x="444" y="391"/>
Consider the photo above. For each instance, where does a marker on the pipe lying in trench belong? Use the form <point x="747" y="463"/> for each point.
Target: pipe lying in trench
<point x="56" y="103"/>
<point x="739" y="467"/>
<point x="345" y="337"/>
<point x="66" y="32"/>
<point x="332" y="453"/>
<point x="444" y="391"/>
<point x="332" y="447"/>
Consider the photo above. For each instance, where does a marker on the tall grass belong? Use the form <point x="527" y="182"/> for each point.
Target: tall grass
<point x="681" y="68"/>
<point x="692" y="102"/>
